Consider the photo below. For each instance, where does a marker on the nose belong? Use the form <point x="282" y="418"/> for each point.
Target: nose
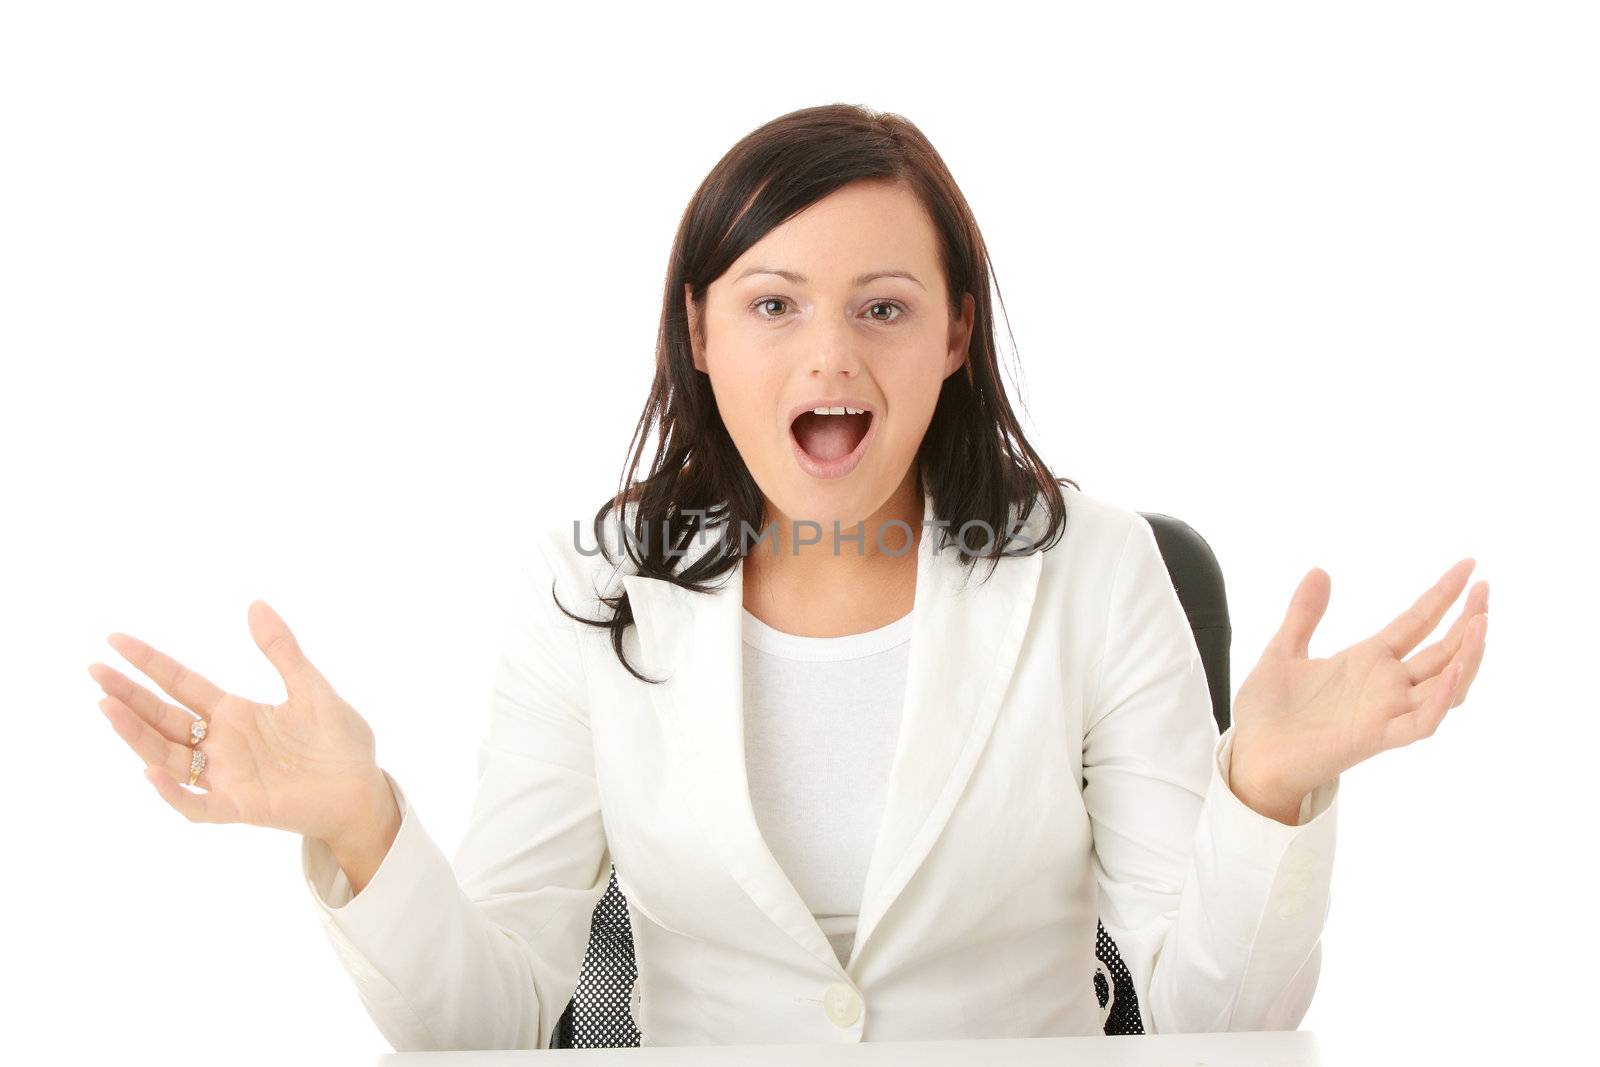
<point x="833" y="350"/>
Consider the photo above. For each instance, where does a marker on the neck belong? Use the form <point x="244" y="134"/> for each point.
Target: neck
<point x="877" y="564"/>
<point x="888" y="535"/>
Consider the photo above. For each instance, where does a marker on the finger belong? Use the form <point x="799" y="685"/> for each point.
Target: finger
<point x="1418" y="621"/>
<point x="191" y="690"/>
<point x="1306" y="607"/>
<point x="278" y="644"/>
<point x="1424" y="693"/>
<point x="196" y="807"/>
<point x="1424" y="720"/>
<point x="155" y="750"/>
<point x="169" y="720"/>
<point x="1433" y="659"/>
<point x="1472" y="645"/>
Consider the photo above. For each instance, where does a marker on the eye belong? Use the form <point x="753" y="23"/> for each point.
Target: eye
<point x="887" y="304"/>
<point x="765" y="301"/>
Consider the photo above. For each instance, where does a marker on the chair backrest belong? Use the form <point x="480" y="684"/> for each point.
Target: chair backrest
<point x="599" y="1014"/>
<point x="1197" y="576"/>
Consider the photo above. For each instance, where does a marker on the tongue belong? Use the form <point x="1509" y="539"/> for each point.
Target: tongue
<point x="829" y="437"/>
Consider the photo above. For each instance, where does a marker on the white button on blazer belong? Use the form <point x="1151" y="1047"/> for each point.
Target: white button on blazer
<point x="1058" y="763"/>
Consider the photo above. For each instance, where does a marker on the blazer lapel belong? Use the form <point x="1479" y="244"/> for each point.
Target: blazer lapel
<point x="964" y="645"/>
<point x="965" y="636"/>
<point x="696" y="641"/>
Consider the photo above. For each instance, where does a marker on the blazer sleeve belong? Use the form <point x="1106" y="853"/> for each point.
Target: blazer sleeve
<point x="483" y="951"/>
<point x="1216" y="910"/>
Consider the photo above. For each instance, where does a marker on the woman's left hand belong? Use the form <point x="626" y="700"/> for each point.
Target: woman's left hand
<point x="1301" y="722"/>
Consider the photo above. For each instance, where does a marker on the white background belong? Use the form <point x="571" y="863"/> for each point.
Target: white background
<point x="333" y="304"/>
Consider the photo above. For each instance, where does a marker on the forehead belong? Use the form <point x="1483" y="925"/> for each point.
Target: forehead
<point x="861" y="228"/>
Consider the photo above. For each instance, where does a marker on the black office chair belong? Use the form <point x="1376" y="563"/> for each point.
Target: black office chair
<point x="599" y="1016"/>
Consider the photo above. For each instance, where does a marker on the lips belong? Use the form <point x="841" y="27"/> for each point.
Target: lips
<point x="829" y="437"/>
<point x="831" y="446"/>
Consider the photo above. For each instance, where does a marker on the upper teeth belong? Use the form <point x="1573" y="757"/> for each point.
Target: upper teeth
<point x="838" y="411"/>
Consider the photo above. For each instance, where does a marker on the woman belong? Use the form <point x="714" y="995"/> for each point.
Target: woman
<point x="851" y="789"/>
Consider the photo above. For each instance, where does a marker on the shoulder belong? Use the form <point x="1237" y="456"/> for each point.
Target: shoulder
<point x="564" y="549"/>
<point x="1096" y="533"/>
<point x="1106" y="553"/>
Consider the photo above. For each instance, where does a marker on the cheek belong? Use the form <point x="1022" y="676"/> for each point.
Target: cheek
<point x="912" y="388"/>
<point x="746" y="393"/>
<point x="735" y="361"/>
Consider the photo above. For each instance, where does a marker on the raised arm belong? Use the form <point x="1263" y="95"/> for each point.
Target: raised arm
<point x="1216" y="909"/>
<point x="483" y="952"/>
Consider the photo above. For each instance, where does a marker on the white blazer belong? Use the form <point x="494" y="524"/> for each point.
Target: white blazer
<point x="1057" y="763"/>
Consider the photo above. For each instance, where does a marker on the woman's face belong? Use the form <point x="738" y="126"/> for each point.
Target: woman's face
<point x="799" y="321"/>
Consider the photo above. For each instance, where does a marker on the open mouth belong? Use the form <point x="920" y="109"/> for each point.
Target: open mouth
<point x="830" y="446"/>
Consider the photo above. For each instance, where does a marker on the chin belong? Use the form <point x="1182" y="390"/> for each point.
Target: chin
<point x="848" y="501"/>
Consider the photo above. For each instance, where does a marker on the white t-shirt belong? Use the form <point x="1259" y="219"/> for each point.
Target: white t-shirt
<point x="821" y="717"/>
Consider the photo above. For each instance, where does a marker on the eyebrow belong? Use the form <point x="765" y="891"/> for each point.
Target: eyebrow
<point x="860" y="279"/>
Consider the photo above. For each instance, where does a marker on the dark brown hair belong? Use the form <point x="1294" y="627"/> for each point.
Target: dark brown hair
<point x="973" y="459"/>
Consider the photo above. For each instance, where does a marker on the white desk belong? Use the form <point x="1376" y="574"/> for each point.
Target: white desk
<point x="1268" y="1048"/>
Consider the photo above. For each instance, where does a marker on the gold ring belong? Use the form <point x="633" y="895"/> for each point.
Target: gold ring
<point x="197" y="731"/>
<point x="197" y="763"/>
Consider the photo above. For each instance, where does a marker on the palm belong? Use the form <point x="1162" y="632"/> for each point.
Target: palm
<point x="285" y="766"/>
<point x="297" y="766"/>
<point x="1302" y="721"/>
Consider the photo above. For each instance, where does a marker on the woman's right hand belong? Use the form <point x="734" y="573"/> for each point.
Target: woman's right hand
<point x="307" y="765"/>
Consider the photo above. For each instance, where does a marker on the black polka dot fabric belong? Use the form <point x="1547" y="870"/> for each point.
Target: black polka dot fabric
<point x="1124" y="1017"/>
<point x="600" y="1014"/>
